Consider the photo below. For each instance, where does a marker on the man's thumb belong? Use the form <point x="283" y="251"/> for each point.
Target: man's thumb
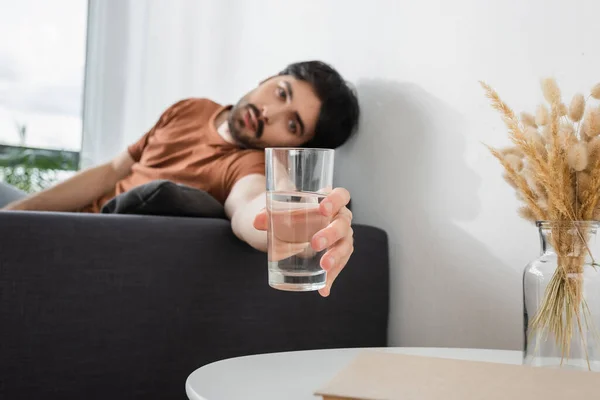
<point x="260" y="221"/>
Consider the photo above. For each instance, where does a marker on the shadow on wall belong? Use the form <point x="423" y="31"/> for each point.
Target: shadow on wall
<point x="407" y="174"/>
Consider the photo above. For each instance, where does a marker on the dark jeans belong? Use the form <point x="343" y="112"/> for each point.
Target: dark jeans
<point x="9" y="194"/>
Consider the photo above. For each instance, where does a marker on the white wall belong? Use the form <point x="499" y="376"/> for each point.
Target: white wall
<point x="417" y="168"/>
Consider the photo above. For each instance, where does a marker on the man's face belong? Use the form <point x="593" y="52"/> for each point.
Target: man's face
<point x="280" y="112"/>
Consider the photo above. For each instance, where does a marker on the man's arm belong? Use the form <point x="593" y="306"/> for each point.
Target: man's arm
<point x="80" y="190"/>
<point x="246" y="200"/>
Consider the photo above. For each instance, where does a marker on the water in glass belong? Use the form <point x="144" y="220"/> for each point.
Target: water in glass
<point x="294" y="218"/>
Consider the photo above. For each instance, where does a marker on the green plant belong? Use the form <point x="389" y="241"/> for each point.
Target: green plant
<point x="28" y="179"/>
<point x="32" y="170"/>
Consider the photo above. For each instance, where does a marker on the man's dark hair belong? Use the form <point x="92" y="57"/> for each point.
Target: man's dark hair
<point x="339" y="114"/>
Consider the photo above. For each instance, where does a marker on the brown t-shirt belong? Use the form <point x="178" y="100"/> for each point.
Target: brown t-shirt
<point x="184" y="147"/>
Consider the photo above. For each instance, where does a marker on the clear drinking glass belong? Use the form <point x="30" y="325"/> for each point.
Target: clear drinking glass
<point x="297" y="181"/>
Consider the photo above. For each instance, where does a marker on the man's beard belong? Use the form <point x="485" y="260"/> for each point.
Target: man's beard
<point x="236" y="124"/>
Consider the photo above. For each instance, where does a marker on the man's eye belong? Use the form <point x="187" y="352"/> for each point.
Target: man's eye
<point x="292" y="126"/>
<point x="281" y="93"/>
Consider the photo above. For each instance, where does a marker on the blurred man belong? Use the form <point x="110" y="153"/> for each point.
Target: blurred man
<point x="219" y="149"/>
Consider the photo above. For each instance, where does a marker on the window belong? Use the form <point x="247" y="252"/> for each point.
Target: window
<point x="42" y="62"/>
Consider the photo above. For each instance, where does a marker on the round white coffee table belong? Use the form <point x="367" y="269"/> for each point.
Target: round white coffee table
<point x="297" y="375"/>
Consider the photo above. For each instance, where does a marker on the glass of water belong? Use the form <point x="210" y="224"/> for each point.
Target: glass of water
<point x="297" y="181"/>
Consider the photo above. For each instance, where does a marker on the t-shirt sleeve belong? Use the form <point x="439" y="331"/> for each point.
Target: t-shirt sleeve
<point x="136" y="149"/>
<point x="248" y="163"/>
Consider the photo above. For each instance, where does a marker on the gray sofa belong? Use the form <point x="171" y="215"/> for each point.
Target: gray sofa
<point x="126" y="307"/>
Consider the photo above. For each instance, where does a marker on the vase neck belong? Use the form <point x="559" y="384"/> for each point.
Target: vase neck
<point x="568" y="239"/>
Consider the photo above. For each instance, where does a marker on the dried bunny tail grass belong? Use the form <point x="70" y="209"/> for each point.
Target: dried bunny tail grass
<point x="534" y="138"/>
<point x="567" y="128"/>
<point x="512" y="150"/>
<point x="538" y="187"/>
<point x="593" y="149"/>
<point x="577" y="108"/>
<point x="595" y="92"/>
<point x="583" y="179"/>
<point x="519" y="196"/>
<point x="583" y="184"/>
<point x="528" y="119"/>
<point x="515" y="162"/>
<point x="590" y="202"/>
<point x="582" y="132"/>
<point x="508" y="115"/>
<point x="562" y="193"/>
<point x="521" y="185"/>
<point x="591" y="122"/>
<point x="536" y="155"/>
<point x="577" y="156"/>
<point x="553" y="97"/>
<point x="550" y="90"/>
<point x="566" y="134"/>
<point x="508" y="179"/>
<point x="526" y="213"/>
<point x="546" y="133"/>
<point x="542" y="116"/>
<point x="565" y="140"/>
<point x="562" y="110"/>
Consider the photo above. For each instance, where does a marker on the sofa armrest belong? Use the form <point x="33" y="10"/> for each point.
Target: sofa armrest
<point x="111" y="306"/>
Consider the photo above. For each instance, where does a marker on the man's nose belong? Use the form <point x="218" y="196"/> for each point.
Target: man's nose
<point x="264" y="114"/>
<point x="271" y="113"/>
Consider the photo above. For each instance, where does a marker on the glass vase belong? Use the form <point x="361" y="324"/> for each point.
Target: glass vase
<point x="561" y="293"/>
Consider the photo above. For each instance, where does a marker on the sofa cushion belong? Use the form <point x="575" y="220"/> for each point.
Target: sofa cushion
<point x="163" y="197"/>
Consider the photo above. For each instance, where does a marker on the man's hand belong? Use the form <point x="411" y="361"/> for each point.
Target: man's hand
<point x="337" y="237"/>
<point x="245" y="206"/>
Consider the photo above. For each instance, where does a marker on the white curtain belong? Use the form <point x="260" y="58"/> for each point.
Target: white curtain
<point x="144" y="55"/>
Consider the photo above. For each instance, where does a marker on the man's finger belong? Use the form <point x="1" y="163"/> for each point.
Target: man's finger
<point x="261" y="221"/>
<point x="338" y="229"/>
<point x="346" y="213"/>
<point x="337" y="254"/>
<point x="281" y="251"/>
<point x="331" y="276"/>
<point x="334" y="202"/>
